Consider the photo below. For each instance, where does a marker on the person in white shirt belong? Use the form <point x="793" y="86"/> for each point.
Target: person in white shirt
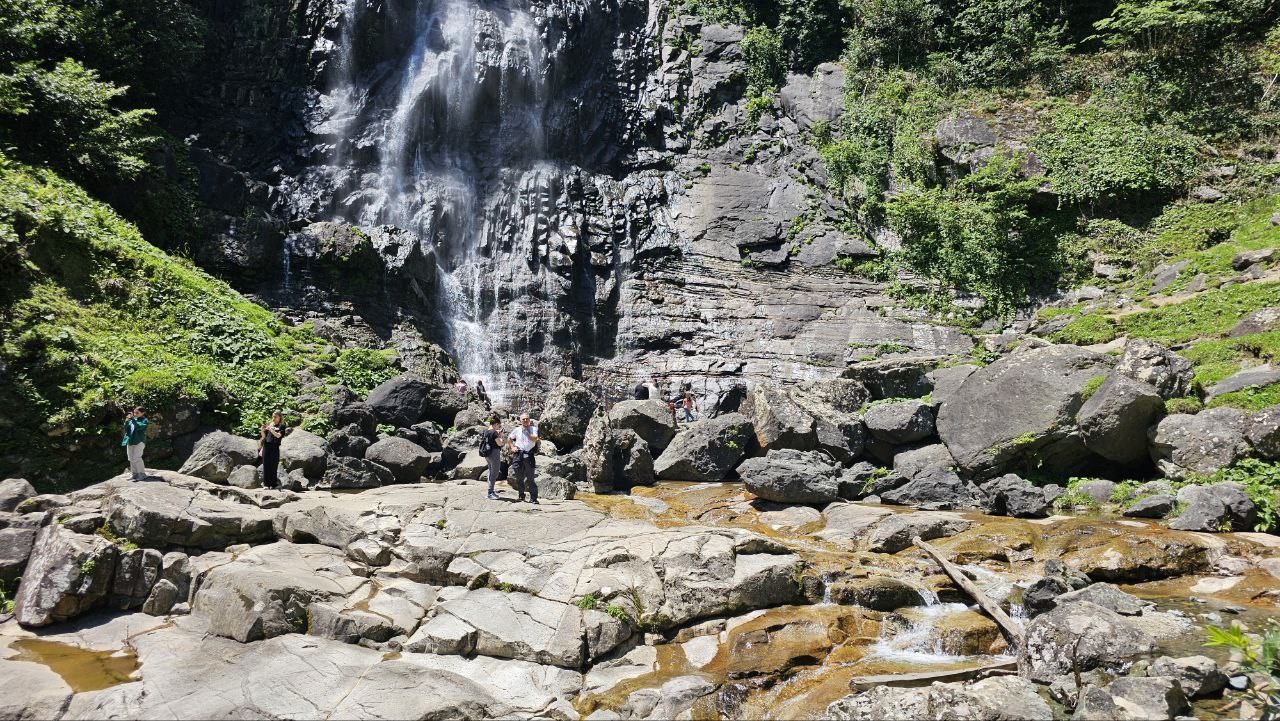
<point x="652" y="385"/>
<point x="524" y="440"/>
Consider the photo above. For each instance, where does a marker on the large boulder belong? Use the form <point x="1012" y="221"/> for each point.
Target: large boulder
<point x="651" y="420"/>
<point x="405" y="459"/>
<point x="1183" y="445"/>
<point x="360" y="415"/>
<point x="1262" y="429"/>
<point x="936" y="489"/>
<point x="304" y="451"/>
<point x="835" y="406"/>
<point x="1151" y="363"/>
<point x="401" y="401"/>
<point x="1080" y="636"/>
<point x="914" y="461"/>
<point x="68" y="574"/>
<point x="14" y="491"/>
<point x="989" y="423"/>
<point x="896" y="532"/>
<point x="1199" y="676"/>
<point x="791" y="476"/>
<point x="348" y="441"/>
<point x="15" y="549"/>
<point x="568" y="411"/>
<point x="706" y="450"/>
<point x="1115" y="419"/>
<point x="1132" y="698"/>
<point x="778" y="421"/>
<point x="219" y="453"/>
<point x="900" y="422"/>
<point x="268" y="590"/>
<point x="160" y="515"/>
<point x="615" y="458"/>
<point x="137" y="570"/>
<point x="1001" y="698"/>
<point x="1011" y="495"/>
<point x="346" y="472"/>
<point x="1218" y="507"/>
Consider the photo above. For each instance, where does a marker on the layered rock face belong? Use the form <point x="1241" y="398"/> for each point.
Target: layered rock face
<point x="544" y="187"/>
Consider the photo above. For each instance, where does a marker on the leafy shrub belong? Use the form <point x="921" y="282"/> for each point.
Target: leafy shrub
<point x="363" y="369"/>
<point x="1091" y="386"/>
<point x="587" y="602"/>
<point x="1000" y="42"/>
<point x="1261" y="481"/>
<point x="1188" y="404"/>
<point x="1259" y="654"/>
<point x="766" y="68"/>
<point x="983" y="236"/>
<point x="1101" y="155"/>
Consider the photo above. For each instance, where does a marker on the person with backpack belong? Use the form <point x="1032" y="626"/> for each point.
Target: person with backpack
<point x="524" y="441"/>
<point x="269" y="437"/>
<point x="491" y="450"/>
<point x="641" y="391"/>
<point x="135" y="441"/>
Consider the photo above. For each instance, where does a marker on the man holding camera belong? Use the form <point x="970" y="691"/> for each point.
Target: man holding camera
<point x="135" y="440"/>
<point x="524" y="441"/>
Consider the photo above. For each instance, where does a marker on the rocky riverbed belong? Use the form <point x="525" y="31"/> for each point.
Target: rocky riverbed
<point x="695" y="600"/>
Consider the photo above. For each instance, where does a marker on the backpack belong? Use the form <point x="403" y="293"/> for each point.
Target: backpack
<point x="486" y="444"/>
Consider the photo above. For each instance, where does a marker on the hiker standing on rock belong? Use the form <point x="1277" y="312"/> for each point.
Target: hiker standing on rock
<point x="641" y="392"/>
<point x="481" y="393"/>
<point x="135" y="440"/>
<point x="524" y="440"/>
<point x="686" y="405"/>
<point x="269" y="438"/>
<point x="491" y="442"/>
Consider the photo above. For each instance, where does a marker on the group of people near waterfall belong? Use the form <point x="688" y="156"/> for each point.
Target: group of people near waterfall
<point x="521" y="442"/>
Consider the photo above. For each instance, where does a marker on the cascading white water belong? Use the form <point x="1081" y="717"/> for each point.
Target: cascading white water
<point x="456" y="126"/>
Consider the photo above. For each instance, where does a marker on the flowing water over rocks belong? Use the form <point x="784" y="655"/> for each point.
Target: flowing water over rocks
<point x="690" y="600"/>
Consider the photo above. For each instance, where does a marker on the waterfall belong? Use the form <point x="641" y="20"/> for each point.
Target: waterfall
<point x="440" y="139"/>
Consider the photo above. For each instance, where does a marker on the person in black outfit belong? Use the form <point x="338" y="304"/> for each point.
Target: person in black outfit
<point x="272" y="432"/>
<point x="481" y="393"/>
<point x="642" y="391"/>
<point x="493" y="440"/>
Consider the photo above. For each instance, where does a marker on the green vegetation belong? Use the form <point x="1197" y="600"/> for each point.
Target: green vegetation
<point x="619" y="613"/>
<point x="762" y="51"/>
<point x="1086" y="330"/>
<point x="1189" y="405"/>
<point x="363" y="369"/>
<point x="124" y="544"/>
<point x="1073" y="498"/>
<point x="1091" y="386"/>
<point x="87" y="566"/>
<point x="1259" y="654"/>
<point x="6" y="603"/>
<point x="96" y="320"/>
<point x="587" y="602"/>
<point x="1261" y="481"/>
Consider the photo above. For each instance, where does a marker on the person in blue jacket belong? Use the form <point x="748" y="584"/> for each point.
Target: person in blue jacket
<point x="135" y="440"/>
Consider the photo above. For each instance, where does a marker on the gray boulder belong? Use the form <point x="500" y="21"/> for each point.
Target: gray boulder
<point x="878" y="593"/>
<point x="304" y="451"/>
<point x="1151" y="363"/>
<point x="1203" y="443"/>
<point x="706" y="450"/>
<point x="651" y="420"/>
<point x="895" y="377"/>
<point x="1109" y="597"/>
<point x="791" y="476"/>
<point x="1132" y="698"/>
<point x="1157" y="506"/>
<point x="936" y="490"/>
<point x="250" y="476"/>
<point x="895" y="532"/>
<point x="912" y="462"/>
<point x="1011" y="495"/>
<point x="1262" y="429"/>
<point x="988" y="424"/>
<point x="615" y="458"/>
<point x="406" y="460"/>
<point x="355" y="473"/>
<point x="778" y="421"/>
<point x="162" y="598"/>
<point x="568" y="411"/>
<point x="1260" y="320"/>
<point x="1000" y="698"/>
<point x="217" y="454"/>
<point x="863" y="479"/>
<point x="136" y="572"/>
<point x="15" y="549"/>
<point x="1254" y="377"/>
<point x="1115" y="419"/>
<point x="946" y="381"/>
<point x="68" y="574"/>
<point x="160" y="515"/>
<point x="1099" y="489"/>
<point x="348" y="441"/>
<point x="359" y="415"/>
<point x="401" y="401"/>
<point x="14" y="491"/>
<point x="1080" y="636"/>
<point x="1199" y="676"/>
<point x="900" y="422"/>
<point x="1218" y="507"/>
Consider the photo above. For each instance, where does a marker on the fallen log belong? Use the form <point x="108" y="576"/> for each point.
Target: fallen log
<point x="1011" y="629"/>
<point x="924" y="678"/>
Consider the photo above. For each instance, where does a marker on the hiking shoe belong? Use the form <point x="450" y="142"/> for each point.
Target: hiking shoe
<point x="520" y="499"/>
<point x="535" y="502"/>
<point x="492" y="496"/>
